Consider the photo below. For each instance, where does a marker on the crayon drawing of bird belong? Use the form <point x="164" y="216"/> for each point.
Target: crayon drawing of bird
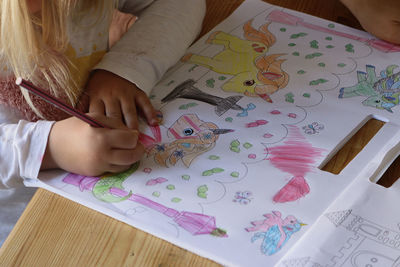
<point x="275" y="232"/>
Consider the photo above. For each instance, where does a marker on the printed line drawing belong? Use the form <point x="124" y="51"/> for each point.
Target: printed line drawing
<point x="189" y="91"/>
<point x="194" y="223"/>
<point x="367" y="244"/>
<point x="192" y="137"/>
<point x="382" y="91"/>
<point x="255" y="73"/>
<point x="226" y="151"/>
<point x="243" y="197"/>
<point x="364" y="231"/>
<point x="289" y="19"/>
<point x="274" y="231"/>
<point x="313" y="128"/>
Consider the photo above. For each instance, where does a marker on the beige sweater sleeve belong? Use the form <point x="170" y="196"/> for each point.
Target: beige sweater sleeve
<point x="156" y="41"/>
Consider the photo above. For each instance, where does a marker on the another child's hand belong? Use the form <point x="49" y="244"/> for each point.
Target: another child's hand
<point x="380" y="18"/>
<point x="116" y="97"/>
<point x="77" y="147"/>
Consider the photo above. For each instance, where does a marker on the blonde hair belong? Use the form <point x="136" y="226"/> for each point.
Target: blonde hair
<point x="32" y="45"/>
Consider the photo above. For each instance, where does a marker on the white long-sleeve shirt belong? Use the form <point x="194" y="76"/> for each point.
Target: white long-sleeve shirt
<point x="152" y="45"/>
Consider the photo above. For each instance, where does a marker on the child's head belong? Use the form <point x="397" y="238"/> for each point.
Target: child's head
<point x="34" y="37"/>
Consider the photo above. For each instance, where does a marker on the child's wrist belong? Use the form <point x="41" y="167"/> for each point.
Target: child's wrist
<point x="48" y="161"/>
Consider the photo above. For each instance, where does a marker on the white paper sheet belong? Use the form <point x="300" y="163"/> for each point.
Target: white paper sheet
<point x="362" y="228"/>
<point x="257" y="106"/>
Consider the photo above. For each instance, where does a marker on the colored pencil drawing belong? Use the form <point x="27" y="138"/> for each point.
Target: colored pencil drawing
<point x="293" y="20"/>
<point x="255" y="73"/>
<point x="274" y="231"/>
<point x="243" y="197"/>
<point x="158" y="180"/>
<point x="109" y="189"/>
<point x="297" y="157"/>
<point x="101" y="189"/>
<point x="187" y="90"/>
<point x="192" y="137"/>
<point x="313" y="128"/>
<point x="381" y="92"/>
<point x="249" y="116"/>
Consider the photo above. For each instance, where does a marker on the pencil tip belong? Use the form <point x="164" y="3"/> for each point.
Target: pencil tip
<point x="18" y="81"/>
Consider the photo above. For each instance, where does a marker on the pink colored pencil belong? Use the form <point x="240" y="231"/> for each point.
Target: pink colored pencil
<point x="57" y="103"/>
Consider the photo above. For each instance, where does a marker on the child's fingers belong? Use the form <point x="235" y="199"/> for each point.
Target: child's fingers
<point x="122" y="139"/>
<point x="112" y="108"/>
<point x="125" y="156"/>
<point x="147" y="109"/>
<point x="392" y="35"/>
<point x="110" y="122"/>
<point x="129" y="112"/>
<point x="96" y="106"/>
<point x="118" y="168"/>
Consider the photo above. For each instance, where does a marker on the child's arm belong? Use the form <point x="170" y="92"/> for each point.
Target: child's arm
<point x="75" y="146"/>
<point x="28" y="147"/>
<point x="380" y="18"/>
<point x="153" y="44"/>
<point x="22" y="145"/>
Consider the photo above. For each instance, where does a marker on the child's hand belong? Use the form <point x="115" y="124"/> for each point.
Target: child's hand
<point x="380" y="18"/>
<point x="77" y="147"/>
<point x="116" y="97"/>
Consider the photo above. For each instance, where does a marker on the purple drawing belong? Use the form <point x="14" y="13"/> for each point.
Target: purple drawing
<point x="243" y="197"/>
<point x="194" y="223"/>
<point x="313" y="128"/>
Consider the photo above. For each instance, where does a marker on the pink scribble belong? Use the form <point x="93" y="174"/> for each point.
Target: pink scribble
<point x="147" y="170"/>
<point x="267" y="135"/>
<point x="147" y="140"/>
<point x="251" y="124"/>
<point x="252" y="156"/>
<point x="275" y="112"/>
<point x="296" y="188"/>
<point x="155" y="181"/>
<point x="292" y="115"/>
<point x="256" y="123"/>
<point x="261" y="122"/>
<point x="297" y="157"/>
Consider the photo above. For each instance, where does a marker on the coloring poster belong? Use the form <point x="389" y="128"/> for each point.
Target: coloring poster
<point x="251" y="113"/>
<point x="355" y="231"/>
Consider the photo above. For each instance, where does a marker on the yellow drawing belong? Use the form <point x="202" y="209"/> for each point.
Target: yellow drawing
<point x="255" y="73"/>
